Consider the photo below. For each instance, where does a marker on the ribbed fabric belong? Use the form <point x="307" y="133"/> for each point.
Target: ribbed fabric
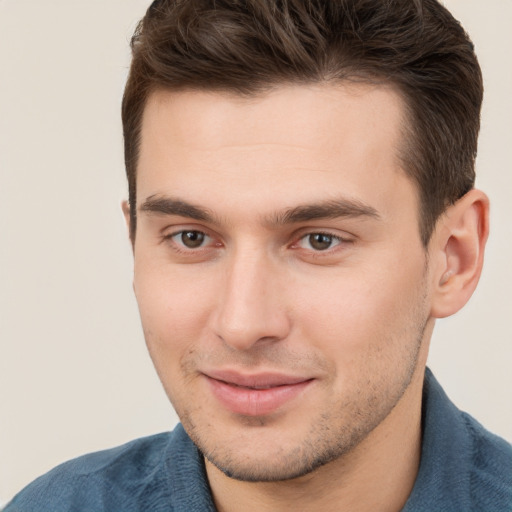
<point x="464" y="468"/>
<point x="161" y="473"/>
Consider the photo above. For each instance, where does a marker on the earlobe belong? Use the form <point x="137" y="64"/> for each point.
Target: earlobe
<point x="457" y="252"/>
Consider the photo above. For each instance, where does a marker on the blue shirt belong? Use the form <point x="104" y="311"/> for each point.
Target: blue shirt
<point x="463" y="468"/>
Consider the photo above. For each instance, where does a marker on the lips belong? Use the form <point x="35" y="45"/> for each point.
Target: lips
<point x="255" y="395"/>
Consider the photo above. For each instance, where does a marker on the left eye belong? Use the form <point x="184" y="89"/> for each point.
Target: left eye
<point x="191" y="239"/>
<point x="319" y="241"/>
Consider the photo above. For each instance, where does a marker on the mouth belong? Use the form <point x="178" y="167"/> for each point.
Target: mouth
<point x="255" y="395"/>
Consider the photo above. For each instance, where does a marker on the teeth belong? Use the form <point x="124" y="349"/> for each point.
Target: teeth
<point x="257" y="388"/>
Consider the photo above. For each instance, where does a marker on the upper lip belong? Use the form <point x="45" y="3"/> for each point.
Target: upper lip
<point x="263" y="380"/>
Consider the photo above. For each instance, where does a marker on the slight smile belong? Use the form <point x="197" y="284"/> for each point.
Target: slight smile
<point x="255" y="395"/>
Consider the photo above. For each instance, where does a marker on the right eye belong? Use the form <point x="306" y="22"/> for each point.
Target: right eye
<point x="190" y="239"/>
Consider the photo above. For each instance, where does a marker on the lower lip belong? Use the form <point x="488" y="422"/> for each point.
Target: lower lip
<point x="255" y="402"/>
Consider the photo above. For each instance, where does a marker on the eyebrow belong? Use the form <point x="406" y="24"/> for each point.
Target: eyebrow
<point x="330" y="209"/>
<point x="160" y="205"/>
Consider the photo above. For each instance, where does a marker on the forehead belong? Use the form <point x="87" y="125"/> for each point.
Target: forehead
<point x="303" y="140"/>
<point x="302" y="114"/>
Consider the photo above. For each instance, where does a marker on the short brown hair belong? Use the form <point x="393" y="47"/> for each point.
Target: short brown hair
<point x="248" y="46"/>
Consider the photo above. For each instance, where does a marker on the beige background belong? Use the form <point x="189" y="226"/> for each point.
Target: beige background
<point x="74" y="373"/>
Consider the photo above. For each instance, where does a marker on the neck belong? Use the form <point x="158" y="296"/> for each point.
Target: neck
<point x="378" y="474"/>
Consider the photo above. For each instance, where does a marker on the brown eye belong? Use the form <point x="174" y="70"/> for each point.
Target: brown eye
<point x="192" y="239"/>
<point x="320" y="241"/>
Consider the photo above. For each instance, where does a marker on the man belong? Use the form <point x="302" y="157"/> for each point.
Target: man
<point x="301" y="210"/>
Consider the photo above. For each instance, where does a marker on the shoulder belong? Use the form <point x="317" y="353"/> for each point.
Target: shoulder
<point x="491" y="468"/>
<point x="134" y="476"/>
<point x="463" y="466"/>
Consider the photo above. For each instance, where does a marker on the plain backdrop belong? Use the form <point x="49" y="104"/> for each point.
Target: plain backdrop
<point x="74" y="373"/>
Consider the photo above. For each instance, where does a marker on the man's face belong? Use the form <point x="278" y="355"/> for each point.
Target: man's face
<point x="279" y="271"/>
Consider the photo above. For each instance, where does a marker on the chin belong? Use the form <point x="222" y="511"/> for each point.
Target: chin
<point x="268" y="470"/>
<point x="273" y="454"/>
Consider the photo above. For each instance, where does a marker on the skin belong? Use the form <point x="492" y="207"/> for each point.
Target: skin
<point x="342" y="294"/>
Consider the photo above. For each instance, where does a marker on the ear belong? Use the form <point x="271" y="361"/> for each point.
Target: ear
<point x="457" y="252"/>
<point x="125" y="205"/>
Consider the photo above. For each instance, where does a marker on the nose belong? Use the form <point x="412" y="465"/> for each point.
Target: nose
<point x="251" y="308"/>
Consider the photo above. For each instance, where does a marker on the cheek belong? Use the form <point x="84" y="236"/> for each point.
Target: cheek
<point x="355" y="312"/>
<point x="174" y="306"/>
<point x="173" y="314"/>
